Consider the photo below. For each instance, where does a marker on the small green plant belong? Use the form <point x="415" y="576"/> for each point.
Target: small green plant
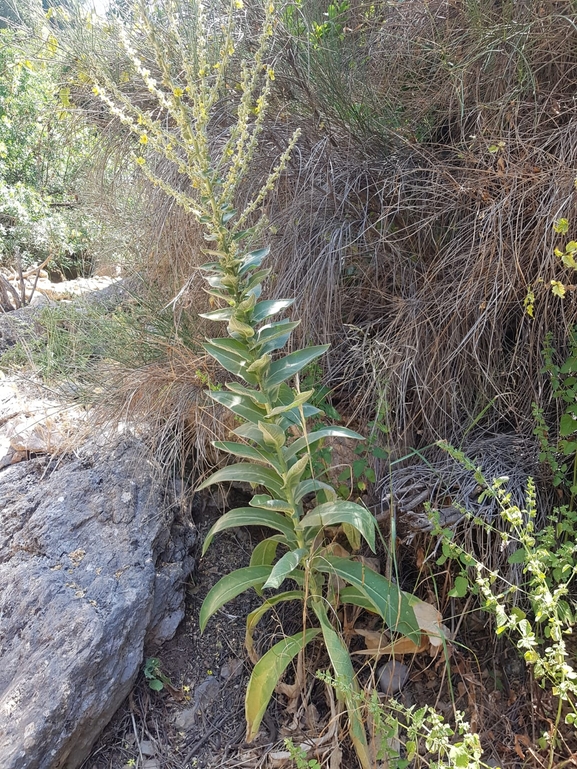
<point x="299" y="756"/>
<point x="562" y="456"/>
<point x="272" y="439"/>
<point x="549" y="560"/>
<point x="411" y="736"/>
<point x="154" y="675"/>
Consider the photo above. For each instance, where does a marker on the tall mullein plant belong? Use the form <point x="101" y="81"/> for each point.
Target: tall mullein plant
<point x="271" y="439"/>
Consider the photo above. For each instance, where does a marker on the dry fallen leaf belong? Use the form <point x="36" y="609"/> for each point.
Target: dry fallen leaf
<point x="379" y="645"/>
<point x="430" y="621"/>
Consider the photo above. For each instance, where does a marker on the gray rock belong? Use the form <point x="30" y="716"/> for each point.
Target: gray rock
<point x="92" y="566"/>
<point x="393" y="676"/>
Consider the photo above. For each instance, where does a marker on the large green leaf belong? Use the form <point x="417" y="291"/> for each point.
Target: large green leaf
<point x="353" y="596"/>
<point x="255" y="616"/>
<point x="229" y="587"/>
<point x="311" y="485"/>
<point x="267" y="503"/>
<point x="230" y="361"/>
<point x="235" y="346"/>
<point x="270" y="307"/>
<point x="388" y="600"/>
<point x="339" y="511"/>
<point x="246" y="473"/>
<point x="299" y="400"/>
<point x="253" y="259"/>
<point x="274" y="336"/>
<point x="256" y="279"/>
<point x="251" y="432"/>
<point x="284" y="567"/>
<point x="255" y="395"/>
<point x="267" y="673"/>
<point x="264" y="552"/>
<point x="285" y="368"/>
<point x="345" y="674"/>
<point x="250" y="516"/>
<point x="238" y="404"/>
<point x="248" y="452"/>
<point x="318" y="435"/>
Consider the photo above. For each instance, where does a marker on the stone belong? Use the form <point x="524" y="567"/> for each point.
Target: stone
<point x="93" y="566"/>
<point x="393" y="675"/>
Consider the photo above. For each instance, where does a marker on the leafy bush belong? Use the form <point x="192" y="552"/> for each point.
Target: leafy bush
<point x="41" y="153"/>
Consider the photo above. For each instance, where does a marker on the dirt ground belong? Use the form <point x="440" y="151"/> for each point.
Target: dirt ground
<point x="198" y="721"/>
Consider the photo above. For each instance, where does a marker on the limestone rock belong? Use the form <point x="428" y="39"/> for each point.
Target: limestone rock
<point x="93" y="563"/>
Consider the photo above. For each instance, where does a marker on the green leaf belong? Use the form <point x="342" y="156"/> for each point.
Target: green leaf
<point x="519" y="556"/>
<point x="269" y="308"/>
<point x="255" y="395"/>
<point x="238" y="404"/>
<point x="230" y="361"/>
<point x="294" y="474"/>
<point x="318" y="435"/>
<point x="273" y="330"/>
<point x="248" y="452"/>
<point x="389" y="601"/>
<point x="240" y="330"/>
<point x="310" y="486"/>
<point x="229" y="587"/>
<point x="460" y="588"/>
<point x="344" y="673"/>
<point x="567" y="425"/>
<point x="255" y="279"/>
<point x="291" y="364"/>
<point x="267" y="673"/>
<point x="265" y="551"/>
<point x="284" y="567"/>
<point x="254" y="259"/>
<point x="264" y="501"/>
<point x="235" y="346"/>
<point x="251" y="432"/>
<point x="570" y="366"/>
<point x="250" y="516"/>
<point x="354" y="596"/>
<point x="273" y="435"/>
<point x="216" y="315"/>
<point x="246" y="473"/>
<point x="255" y="616"/>
<point x="334" y="513"/>
<point x="299" y="400"/>
<point x="156" y="685"/>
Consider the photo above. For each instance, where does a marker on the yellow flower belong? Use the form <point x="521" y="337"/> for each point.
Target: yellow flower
<point x="143" y="139"/>
<point x="238" y="4"/>
<point x="140" y="160"/>
<point x="178" y="92"/>
<point x="271" y="73"/>
<point x="96" y="90"/>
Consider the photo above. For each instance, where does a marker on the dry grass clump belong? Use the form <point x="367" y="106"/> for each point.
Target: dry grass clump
<point x="437" y="152"/>
<point x="421" y="232"/>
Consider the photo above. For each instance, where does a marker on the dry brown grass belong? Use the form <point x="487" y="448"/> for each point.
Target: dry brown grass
<point x="409" y="246"/>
